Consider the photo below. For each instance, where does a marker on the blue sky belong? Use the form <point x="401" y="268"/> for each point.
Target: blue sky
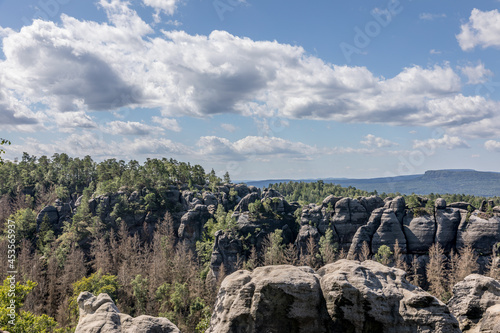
<point x="262" y="89"/>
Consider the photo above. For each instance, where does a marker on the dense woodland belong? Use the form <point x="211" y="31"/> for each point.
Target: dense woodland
<point x="150" y="272"/>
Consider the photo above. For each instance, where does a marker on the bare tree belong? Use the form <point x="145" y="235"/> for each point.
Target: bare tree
<point x="436" y="270"/>
<point x="365" y="252"/>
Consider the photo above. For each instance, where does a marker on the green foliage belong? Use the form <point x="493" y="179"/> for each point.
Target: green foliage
<point x="412" y="202"/>
<point x="13" y="318"/>
<point x="327" y="247"/>
<point x="274" y="248"/>
<point x="227" y="178"/>
<point x="383" y="254"/>
<point x="25" y="222"/>
<point x="140" y="291"/>
<point x="96" y="284"/>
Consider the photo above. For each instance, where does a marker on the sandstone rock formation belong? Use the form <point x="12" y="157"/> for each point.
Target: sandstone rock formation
<point x="476" y="304"/>
<point x="347" y="296"/>
<point x="100" y="315"/>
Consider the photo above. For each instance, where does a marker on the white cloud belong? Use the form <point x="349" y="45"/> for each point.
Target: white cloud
<point x="476" y="74"/>
<point x="431" y="16"/>
<point x="449" y="142"/>
<point x="228" y="127"/>
<point x="84" y="65"/>
<point x="167" y="123"/>
<point x="434" y="51"/>
<point x="66" y="121"/>
<point x="166" y="6"/>
<point x="483" y="29"/>
<point x="373" y="141"/>
<point x="492" y="145"/>
<point x="131" y="128"/>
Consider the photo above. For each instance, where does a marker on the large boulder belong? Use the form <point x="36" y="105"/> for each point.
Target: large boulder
<point x="475" y="303"/>
<point x="371" y="297"/>
<point x="447" y="221"/>
<point x="227" y="251"/>
<point x="50" y="214"/>
<point x="365" y="233"/>
<point x="349" y="216"/>
<point x="479" y="231"/>
<point x="388" y="232"/>
<point x="100" y="315"/>
<point x="192" y="223"/>
<point x="419" y="232"/>
<point x="270" y="299"/>
<point x="242" y="206"/>
<point x="305" y="233"/>
<point x="371" y="203"/>
<point x="398" y="205"/>
<point x="346" y="296"/>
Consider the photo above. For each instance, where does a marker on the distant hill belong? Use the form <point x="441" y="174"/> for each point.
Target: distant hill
<point x="460" y="181"/>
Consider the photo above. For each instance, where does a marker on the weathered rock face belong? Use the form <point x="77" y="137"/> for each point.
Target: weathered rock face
<point x="100" y="315"/>
<point x="270" y="299"/>
<point x="55" y="215"/>
<point x="226" y="252"/>
<point x="346" y="296"/>
<point x="192" y="223"/>
<point x="476" y="304"/>
<point x="419" y="232"/>
<point x="371" y="297"/>
<point x="481" y="232"/>
<point x="248" y="199"/>
<point x="306" y="231"/>
<point x="447" y="221"/>
<point x="388" y="232"/>
<point x="349" y="216"/>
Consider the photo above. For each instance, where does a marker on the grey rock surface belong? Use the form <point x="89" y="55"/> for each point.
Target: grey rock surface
<point x="100" y="315"/>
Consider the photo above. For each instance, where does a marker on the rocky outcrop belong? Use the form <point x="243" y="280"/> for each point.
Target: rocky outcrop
<point x="419" y="232"/>
<point x="388" y="232"/>
<point x="479" y="230"/>
<point x="476" y="304"/>
<point x="192" y="223"/>
<point x="227" y="250"/>
<point x="349" y="216"/>
<point x="371" y="297"/>
<point x="270" y="299"/>
<point x="347" y="296"/>
<point x="55" y="215"/>
<point x="100" y="315"/>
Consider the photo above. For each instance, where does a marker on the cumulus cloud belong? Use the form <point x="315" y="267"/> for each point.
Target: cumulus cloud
<point x="131" y="128"/>
<point x="492" y="145"/>
<point x="449" y="142"/>
<point x="86" y="65"/>
<point x="373" y="141"/>
<point x="476" y="74"/>
<point x="67" y="121"/>
<point x="482" y="29"/>
<point x="167" y="123"/>
<point x="166" y="6"/>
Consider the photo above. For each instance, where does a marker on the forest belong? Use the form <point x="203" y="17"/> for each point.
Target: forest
<point x="147" y="269"/>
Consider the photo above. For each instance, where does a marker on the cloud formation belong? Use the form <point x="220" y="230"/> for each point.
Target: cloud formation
<point x="476" y="74"/>
<point x="482" y="29"/>
<point x="448" y="142"/>
<point x="84" y="65"/>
